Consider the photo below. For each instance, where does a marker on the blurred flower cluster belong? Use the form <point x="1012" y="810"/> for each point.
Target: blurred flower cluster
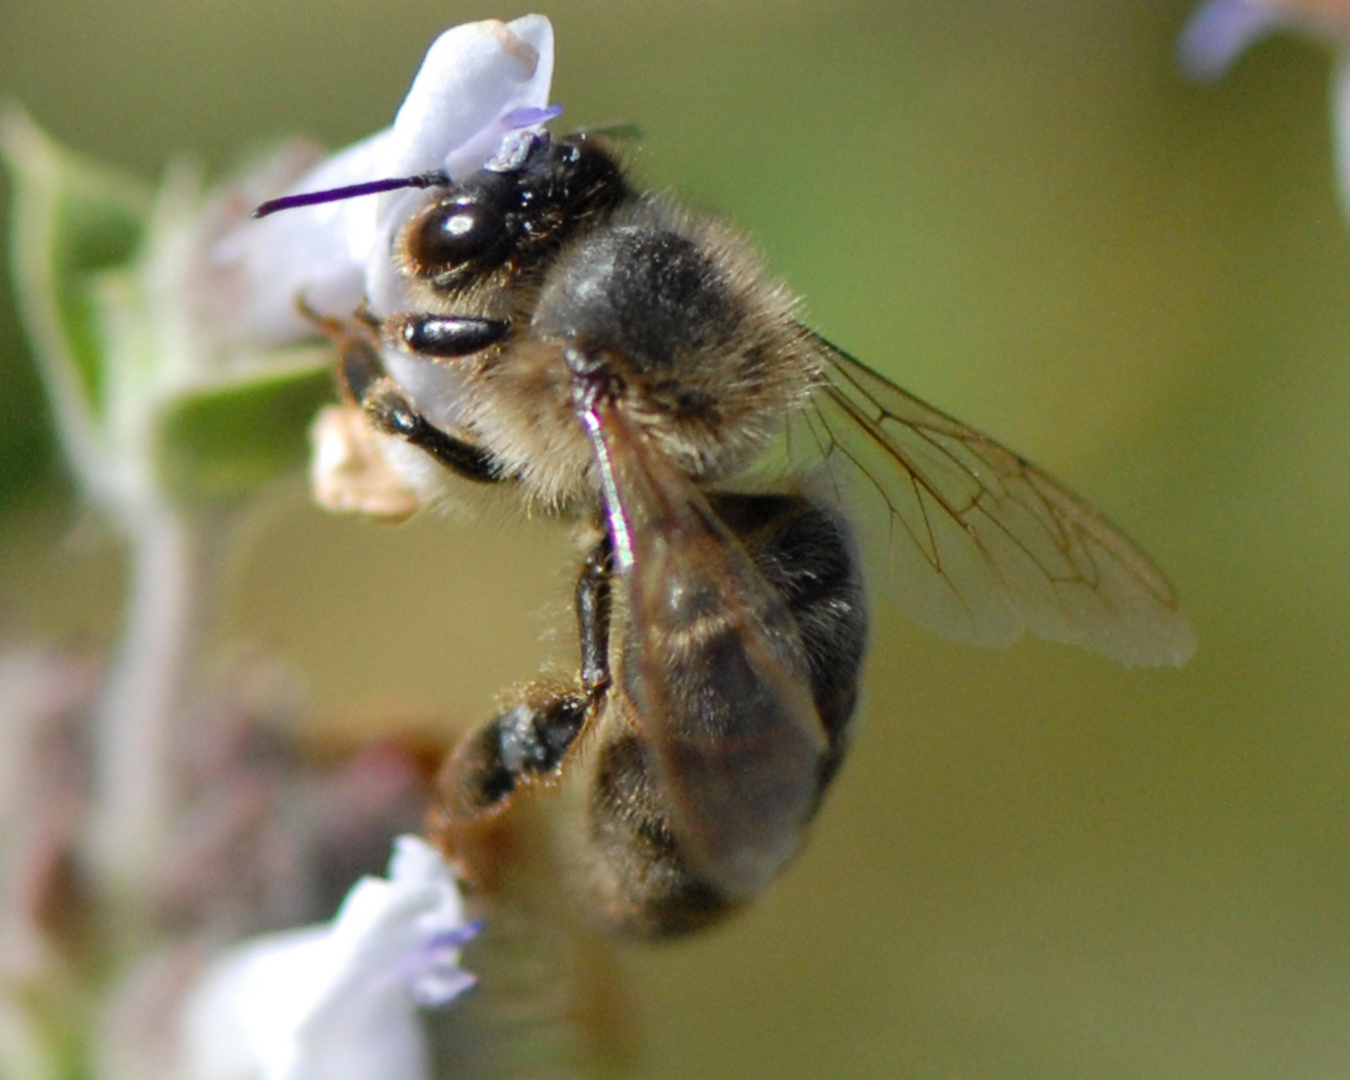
<point x="173" y="851"/>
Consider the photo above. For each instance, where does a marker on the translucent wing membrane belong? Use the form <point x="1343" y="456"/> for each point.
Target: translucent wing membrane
<point x="715" y="666"/>
<point x="975" y="542"/>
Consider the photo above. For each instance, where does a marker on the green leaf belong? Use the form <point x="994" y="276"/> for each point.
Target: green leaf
<point x="151" y="404"/>
<point x="71" y="220"/>
<point x="226" y="441"/>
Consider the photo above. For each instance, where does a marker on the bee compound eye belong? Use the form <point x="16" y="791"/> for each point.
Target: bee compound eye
<point x="455" y="233"/>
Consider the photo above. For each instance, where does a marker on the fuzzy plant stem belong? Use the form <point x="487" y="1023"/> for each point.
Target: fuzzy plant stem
<point x="140" y="719"/>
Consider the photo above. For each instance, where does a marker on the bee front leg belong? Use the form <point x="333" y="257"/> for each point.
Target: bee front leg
<point x="363" y="380"/>
<point x="390" y="411"/>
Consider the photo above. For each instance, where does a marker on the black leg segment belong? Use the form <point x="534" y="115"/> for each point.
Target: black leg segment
<point x="394" y="414"/>
<point x="449" y="336"/>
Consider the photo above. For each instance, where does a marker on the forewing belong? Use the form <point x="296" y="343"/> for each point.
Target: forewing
<point x="714" y="664"/>
<point x="975" y="542"/>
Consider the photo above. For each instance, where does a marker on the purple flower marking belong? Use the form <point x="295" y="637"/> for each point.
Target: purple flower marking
<point x="457" y="937"/>
<point x="442" y="979"/>
<point x="529" y="117"/>
<point x="432" y="972"/>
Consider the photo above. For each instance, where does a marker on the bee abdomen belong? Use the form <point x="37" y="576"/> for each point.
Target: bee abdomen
<point x="807" y="555"/>
<point x="641" y="879"/>
<point x="643" y="884"/>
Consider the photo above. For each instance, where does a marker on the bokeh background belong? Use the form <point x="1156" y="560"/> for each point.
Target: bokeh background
<point x="1036" y="864"/>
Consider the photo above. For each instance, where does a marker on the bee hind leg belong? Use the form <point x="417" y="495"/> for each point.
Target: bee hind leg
<point x="524" y="742"/>
<point x="520" y="748"/>
<point x="528" y="742"/>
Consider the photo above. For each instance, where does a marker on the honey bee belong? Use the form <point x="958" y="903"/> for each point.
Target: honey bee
<point x="618" y="358"/>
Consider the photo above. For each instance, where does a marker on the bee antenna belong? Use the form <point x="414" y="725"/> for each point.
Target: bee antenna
<point x="438" y="178"/>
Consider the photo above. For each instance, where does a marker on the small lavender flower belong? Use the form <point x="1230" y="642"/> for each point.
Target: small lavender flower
<point x="167" y="327"/>
<point x="338" y="1001"/>
<point x="1221" y="30"/>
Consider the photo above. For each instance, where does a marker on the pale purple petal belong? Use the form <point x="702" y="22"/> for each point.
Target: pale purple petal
<point x="317" y="252"/>
<point x="439" y="979"/>
<point x="472" y="76"/>
<point x="529" y="117"/>
<point x="1218" y="33"/>
<point x="420" y="144"/>
<point x="333" y="253"/>
<point x="338" y="1001"/>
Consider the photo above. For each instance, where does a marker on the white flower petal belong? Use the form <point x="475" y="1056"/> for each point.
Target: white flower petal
<point x="473" y="76"/>
<point x="338" y="1001"/>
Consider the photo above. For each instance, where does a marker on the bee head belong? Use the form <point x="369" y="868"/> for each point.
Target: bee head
<point x="519" y="215"/>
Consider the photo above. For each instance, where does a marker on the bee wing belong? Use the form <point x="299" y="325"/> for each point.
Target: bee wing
<point x="713" y="661"/>
<point x="978" y="543"/>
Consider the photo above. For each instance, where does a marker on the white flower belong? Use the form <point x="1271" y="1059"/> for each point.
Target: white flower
<point x="1221" y="30"/>
<point x="337" y="1001"/>
<point x="479" y="83"/>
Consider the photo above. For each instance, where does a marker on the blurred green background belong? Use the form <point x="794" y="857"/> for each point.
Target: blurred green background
<point x="1036" y="864"/>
